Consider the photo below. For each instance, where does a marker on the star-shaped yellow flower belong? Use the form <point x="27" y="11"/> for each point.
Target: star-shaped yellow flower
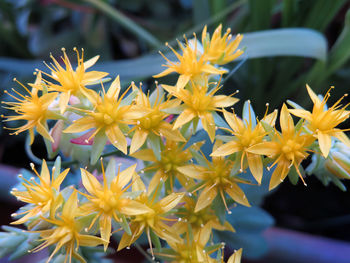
<point x="66" y="233"/>
<point x="200" y="103"/>
<point x="246" y="134"/>
<point x="109" y="200"/>
<point x="172" y="156"/>
<point x="190" y="250"/>
<point x="68" y="81"/>
<point x="216" y="179"/>
<point x="287" y="149"/>
<point x="323" y="121"/>
<point x="43" y="197"/>
<point x="154" y="220"/>
<point x="220" y="49"/>
<point x="153" y="122"/>
<point x="34" y="109"/>
<point x="109" y="117"/>
<point x="197" y="220"/>
<point x="189" y="66"/>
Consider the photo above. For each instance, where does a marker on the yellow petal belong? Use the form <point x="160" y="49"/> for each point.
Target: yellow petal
<point x="114" y="89"/>
<point x="180" y="227"/>
<point x="91" y="184"/>
<point x="138" y="140"/>
<point x="164" y="73"/>
<point x="301" y="114"/>
<point x="255" y="166"/>
<point x="89" y="63"/>
<point x="193" y="171"/>
<point x="182" y="81"/>
<point x="70" y="207"/>
<point x="80" y="125"/>
<point x="43" y="131"/>
<point x="145" y="155"/>
<point x="105" y="229"/>
<point x="271" y="118"/>
<point x="165" y="232"/>
<point x="186" y="116"/>
<point x="126" y="240"/>
<point x="264" y="148"/>
<point x="45" y="175"/>
<point x="212" y="70"/>
<point x="325" y="142"/>
<point x="137" y="185"/>
<point x="155" y="180"/>
<point x="235" y="123"/>
<point x="237" y="194"/>
<point x="205" y="198"/>
<point x="135" y="112"/>
<point x="170" y="201"/>
<point x="286" y="121"/>
<point x="167" y="131"/>
<point x="313" y="96"/>
<point x="236" y="257"/>
<point x="64" y="99"/>
<point x="279" y="174"/>
<point x="57" y="182"/>
<point x="124" y="177"/>
<point x="209" y="125"/>
<point x="117" y="138"/>
<point x="133" y="208"/>
<point x="170" y="89"/>
<point x="227" y="149"/>
<point x="92" y="77"/>
<point x="223" y="101"/>
<point x="89" y="241"/>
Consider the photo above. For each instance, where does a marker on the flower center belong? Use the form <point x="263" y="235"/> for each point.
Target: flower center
<point x="108" y="201"/>
<point x="107" y="113"/>
<point x="151" y="120"/>
<point x="200" y="102"/>
<point x="33" y="110"/>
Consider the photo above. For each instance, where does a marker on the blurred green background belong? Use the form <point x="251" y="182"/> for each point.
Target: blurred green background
<point x="128" y="33"/>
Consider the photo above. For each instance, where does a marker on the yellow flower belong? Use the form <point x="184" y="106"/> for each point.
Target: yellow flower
<point x="172" y="156"/>
<point x="154" y="220"/>
<point x="286" y="149"/>
<point x="246" y="134"/>
<point x="216" y="179"/>
<point x="110" y="200"/>
<point x="66" y="233"/>
<point x="153" y="122"/>
<point x="220" y="49"/>
<point x="72" y="82"/>
<point x="34" y="109"/>
<point x="43" y="197"/>
<point x="109" y="116"/>
<point x="189" y="66"/>
<point x="323" y="121"/>
<point x="200" y="103"/>
<point x="203" y="218"/>
<point x="190" y="250"/>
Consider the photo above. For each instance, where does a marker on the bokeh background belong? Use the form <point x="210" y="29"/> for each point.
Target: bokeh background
<point x="127" y="35"/>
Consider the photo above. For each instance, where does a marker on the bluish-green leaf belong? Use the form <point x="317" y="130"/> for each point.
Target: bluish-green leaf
<point x="300" y="42"/>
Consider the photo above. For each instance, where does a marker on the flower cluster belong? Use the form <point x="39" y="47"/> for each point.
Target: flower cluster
<point x="172" y="194"/>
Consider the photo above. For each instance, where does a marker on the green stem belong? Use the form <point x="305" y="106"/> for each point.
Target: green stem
<point x="125" y="22"/>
